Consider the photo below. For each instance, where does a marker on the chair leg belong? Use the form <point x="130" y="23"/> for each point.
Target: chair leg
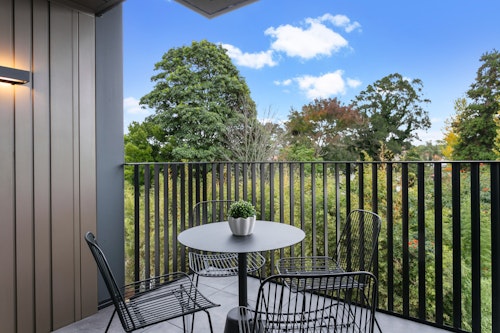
<point x="209" y="321"/>
<point x="110" y="320"/>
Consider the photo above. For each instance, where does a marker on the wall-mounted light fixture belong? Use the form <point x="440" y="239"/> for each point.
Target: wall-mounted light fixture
<point x="14" y="76"/>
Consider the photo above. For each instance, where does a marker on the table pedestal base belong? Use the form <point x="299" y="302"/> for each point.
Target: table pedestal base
<point x="232" y="321"/>
<point x="234" y="317"/>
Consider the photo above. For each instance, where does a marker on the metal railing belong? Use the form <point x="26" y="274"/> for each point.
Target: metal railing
<point x="438" y="260"/>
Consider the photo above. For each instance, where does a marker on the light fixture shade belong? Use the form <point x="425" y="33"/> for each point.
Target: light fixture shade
<point x="14" y="76"/>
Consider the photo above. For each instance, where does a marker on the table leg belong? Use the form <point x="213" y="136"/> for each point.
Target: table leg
<point x="234" y="316"/>
<point x="242" y="279"/>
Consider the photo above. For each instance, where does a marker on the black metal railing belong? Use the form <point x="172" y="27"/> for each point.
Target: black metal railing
<point x="439" y="250"/>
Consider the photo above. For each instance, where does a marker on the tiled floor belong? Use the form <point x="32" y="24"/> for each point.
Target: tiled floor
<point x="223" y="291"/>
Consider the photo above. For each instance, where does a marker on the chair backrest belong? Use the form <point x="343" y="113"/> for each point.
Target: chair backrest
<point x="210" y="211"/>
<point x="314" y="303"/>
<point x="109" y="280"/>
<point x="358" y="241"/>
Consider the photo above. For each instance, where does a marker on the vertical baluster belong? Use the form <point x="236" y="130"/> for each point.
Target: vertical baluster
<point x="406" y="253"/>
<point x="438" y="240"/>
<point x="147" y="245"/>
<point x="475" y="224"/>
<point x="325" y="209"/>
<point x="156" y="231"/>
<point x="421" y="239"/>
<point x="457" y="253"/>
<point x="390" y="236"/>
<point x="166" y="224"/>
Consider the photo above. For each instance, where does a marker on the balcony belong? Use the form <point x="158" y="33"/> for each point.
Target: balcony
<point x="437" y="261"/>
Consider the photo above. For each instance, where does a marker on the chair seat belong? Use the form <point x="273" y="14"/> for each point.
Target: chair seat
<point x="152" y="300"/>
<point x="158" y="300"/>
<point x="308" y="265"/>
<point x="222" y="264"/>
<point x="331" y="303"/>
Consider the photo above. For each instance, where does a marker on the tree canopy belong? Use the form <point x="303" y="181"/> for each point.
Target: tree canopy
<point x="393" y="112"/>
<point x="198" y="94"/>
<point x="474" y="124"/>
<point x="326" y="126"/>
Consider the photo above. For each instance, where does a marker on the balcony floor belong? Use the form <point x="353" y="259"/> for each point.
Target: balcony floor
<point x="223" y="291"/>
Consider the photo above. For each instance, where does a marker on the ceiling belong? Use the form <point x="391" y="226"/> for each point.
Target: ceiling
<point x="213" y="8"/>
<point x="92" y="6"/>
<point x="207" y="8"/>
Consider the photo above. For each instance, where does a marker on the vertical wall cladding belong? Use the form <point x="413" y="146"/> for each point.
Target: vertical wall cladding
<point x="73" y="175"/>
<point x="7" y="189"/>
<point x="23" y="155"/>
<point x="47" y="166"/>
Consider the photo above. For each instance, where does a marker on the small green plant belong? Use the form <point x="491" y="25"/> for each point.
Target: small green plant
<point x="241" y="209"/>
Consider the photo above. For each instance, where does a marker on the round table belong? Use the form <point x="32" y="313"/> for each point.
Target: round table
<point x="217" y="237"/>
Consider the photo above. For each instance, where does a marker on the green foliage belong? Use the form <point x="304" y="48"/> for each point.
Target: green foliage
<point x="198" y="94"/>
<point x="298" y="153"/>
<point x="427" y="152"/>
<point x="241" y="208"/>
<point x="326" y="126"/>
<point x="496" y="143"/>
<point x="393" y="112"/>
<point x="474" y="125"/>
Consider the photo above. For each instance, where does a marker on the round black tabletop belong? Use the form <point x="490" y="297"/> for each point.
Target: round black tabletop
<point x="217" y="237"/>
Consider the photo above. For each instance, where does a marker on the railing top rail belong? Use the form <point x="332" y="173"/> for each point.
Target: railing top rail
<point x="311" y="162"/>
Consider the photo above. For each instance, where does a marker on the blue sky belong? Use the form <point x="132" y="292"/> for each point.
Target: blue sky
<point x="292" y="51"/>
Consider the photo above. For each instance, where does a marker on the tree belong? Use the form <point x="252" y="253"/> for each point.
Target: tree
<point x="496" y="119"/>
<point x="450" y="136"/>
<point x="251" y="140"/>
<point x="475" y="126"/>
<point x="198" y="94"/>
<point x="143" y="143"/>
<point x="326" y="126"/>
<point x="393" y="111"/>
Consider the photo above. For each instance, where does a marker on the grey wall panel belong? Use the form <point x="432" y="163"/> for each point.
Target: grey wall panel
<point x="24" y="172"/>
<point x="62" y="163"/>
<point x="109" y="114"/>
<point x="73" y="162"/>
<point x="41" y="166"/>
<point x="7" y="190"/>
<point x="87" y="159"/>
<point x="48" y="166"/>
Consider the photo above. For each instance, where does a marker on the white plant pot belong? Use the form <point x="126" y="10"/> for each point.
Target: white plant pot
<point x="241" y="226"/>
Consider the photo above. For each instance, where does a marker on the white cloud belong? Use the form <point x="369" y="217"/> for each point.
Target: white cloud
<point x="341" y="21"/>
<point x="322" y="86"/>
<point x="314" y="38"/>
<point x="307" y="43"/>
<point x="252" y="60"/>
<point x="131" y="106"/>
<point x="283" y="83"/>
<point x="352" y="83"/>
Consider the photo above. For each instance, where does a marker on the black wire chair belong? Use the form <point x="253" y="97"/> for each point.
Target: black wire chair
<point x="343" y="302"/>
<point x="217" y="264"/>
<point x="355" y="250"/>
<point x="151" y="301"/>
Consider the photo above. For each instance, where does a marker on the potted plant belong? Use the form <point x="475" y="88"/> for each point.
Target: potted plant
<point x="241" y="218"/>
